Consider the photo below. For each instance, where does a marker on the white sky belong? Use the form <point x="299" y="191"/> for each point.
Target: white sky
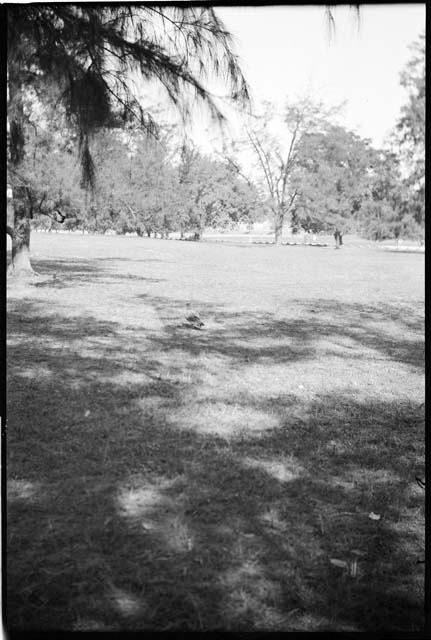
<point x="286" y="51"/>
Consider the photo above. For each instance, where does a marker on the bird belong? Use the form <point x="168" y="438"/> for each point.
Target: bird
<point x="193" y="318"/>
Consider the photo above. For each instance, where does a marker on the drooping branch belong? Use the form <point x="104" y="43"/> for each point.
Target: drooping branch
<point x="88" y="53"/>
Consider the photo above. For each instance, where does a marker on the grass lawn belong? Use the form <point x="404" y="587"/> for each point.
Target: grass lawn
<point x="162" y="478"/>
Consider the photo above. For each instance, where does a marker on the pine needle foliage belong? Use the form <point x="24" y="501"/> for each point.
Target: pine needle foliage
<point x="90" y="56"/>
<point x="330" y="18"/>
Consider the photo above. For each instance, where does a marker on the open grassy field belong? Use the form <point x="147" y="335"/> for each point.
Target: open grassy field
<point x="171" y="479"/>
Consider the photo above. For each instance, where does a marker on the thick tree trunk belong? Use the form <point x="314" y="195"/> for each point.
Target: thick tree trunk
<point x="21" y="265"/>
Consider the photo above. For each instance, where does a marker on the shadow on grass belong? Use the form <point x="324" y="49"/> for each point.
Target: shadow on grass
<point x="68" y="273"/>
<point x="350" y="327"/>
<point x="134" y="259"/>
<point x="136" y="504"/>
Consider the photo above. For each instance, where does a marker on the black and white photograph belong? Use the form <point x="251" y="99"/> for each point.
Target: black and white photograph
<point x="214" y="258"/>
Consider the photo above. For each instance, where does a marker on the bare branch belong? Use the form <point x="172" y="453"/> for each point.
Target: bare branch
<point x="263" y="159"/>
<point x="292" y="199"/>
<point x="238" y="169"/>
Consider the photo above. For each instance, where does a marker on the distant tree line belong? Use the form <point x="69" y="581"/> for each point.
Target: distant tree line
<point x="143" y="185"/>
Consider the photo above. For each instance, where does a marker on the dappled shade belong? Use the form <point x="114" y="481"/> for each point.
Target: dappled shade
<point x="173" y="480"/>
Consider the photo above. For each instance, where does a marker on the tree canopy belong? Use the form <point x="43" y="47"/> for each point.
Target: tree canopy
<point x="141" y="187"/>
<point x="411" y="128"/>
<point x="87" y="54"/>
<point x="276" y="153"/>
<point x="332" y="180"/>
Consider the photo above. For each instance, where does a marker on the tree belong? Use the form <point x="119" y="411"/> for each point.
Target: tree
<point x="84" y="57"/>
<point x="411" y="124"/>
<point x="382" y="211"/>
<point x="276" y="152"/>
<point x="214" y="194"/>
<point x="49" y="171"/>
<point x="386" y="213"/>
<point x="142" y="188"/>
<point x="410" y="129"/>
<point x="134" y="181"/>
<point x="332" y="181"/>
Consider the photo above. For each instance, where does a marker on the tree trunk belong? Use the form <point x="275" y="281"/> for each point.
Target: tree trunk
<point x="21" y="265"/>
<point x="278" y="227"/>
<point x="199" y="233"/>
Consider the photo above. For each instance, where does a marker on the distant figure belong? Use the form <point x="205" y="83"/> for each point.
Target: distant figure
<point x="193" y="318"/>
<point x="338" y="239"/>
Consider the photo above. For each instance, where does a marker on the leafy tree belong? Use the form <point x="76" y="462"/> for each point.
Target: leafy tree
<point x="84" y="57"/>
<point x="276" y="154"/>
<point x="49" y="172"/>
<point x="411" y="124"/>
<point x="411" y="129"/>
<point x="215" y="195"/>
<point x="141" y="189"/>
<point x="188" y="157"/>
<point x="332" y="181"/>
<point x="383" y="213"/>
<point x="132" y="181"/>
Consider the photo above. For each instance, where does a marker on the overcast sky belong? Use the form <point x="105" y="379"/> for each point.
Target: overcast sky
<point x="286" y="51"/>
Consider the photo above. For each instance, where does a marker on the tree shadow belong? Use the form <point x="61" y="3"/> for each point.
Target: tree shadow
<point x="134" y="259"/>
<point x="68" y="273"/>
<point x="137" y="504"/>
<point x="354" y="328"/>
